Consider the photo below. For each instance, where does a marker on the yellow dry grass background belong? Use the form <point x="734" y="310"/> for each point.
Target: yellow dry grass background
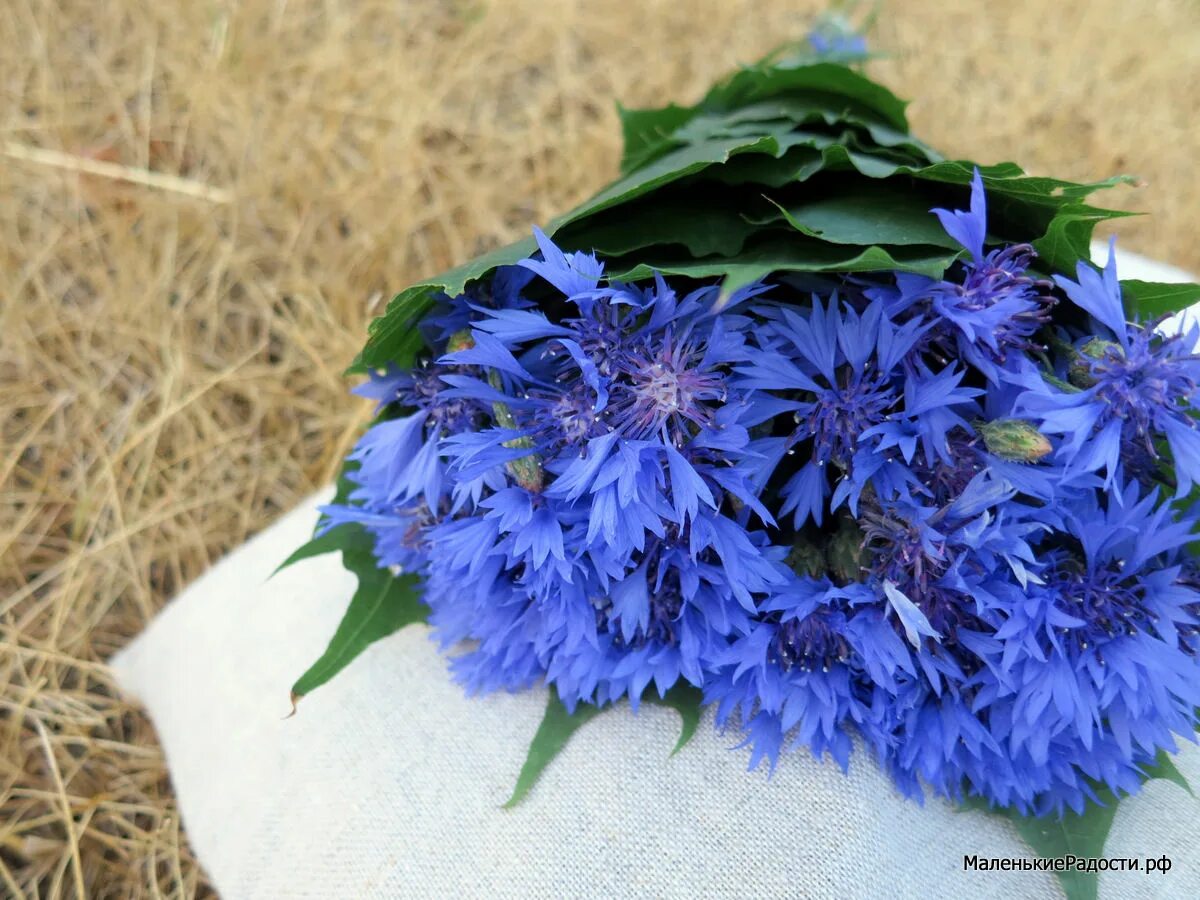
<point x="201" y="204"/>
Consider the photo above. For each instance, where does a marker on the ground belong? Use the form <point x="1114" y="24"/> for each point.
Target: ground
<point x="203" y="204"/>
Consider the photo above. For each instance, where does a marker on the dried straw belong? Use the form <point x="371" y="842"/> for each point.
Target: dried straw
<point x="204" y="202"/>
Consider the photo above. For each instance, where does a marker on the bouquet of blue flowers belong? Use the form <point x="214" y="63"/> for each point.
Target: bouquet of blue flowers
<point x="801" y="421"/>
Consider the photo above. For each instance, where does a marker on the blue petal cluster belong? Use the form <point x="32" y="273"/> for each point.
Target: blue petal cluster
<point x="943" y="520"/>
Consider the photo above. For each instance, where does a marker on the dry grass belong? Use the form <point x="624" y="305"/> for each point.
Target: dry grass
<point x="204" y="202"/>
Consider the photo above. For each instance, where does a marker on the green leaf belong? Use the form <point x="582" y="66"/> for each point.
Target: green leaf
<point x="552" y="735"/>
<point x="791" y="254"/>
<point x="782" y="92"/>
<point x="1164" y="768"/>
<point x="757" y="83"/>
<point x="393" y="337"/>
<point x="809" y="154"/>
<point x="1151" y="299"/>
<point x="704" y="228"/>
<point x="686" y="700"/>
<point x="1068" y="238"/>
<point x="869" y="213"/>
<point x="673" y="166"/>
<point x="647" y="132"/>
<point x="349" y="536"/>
<point x="332" y="541"/>
<point x="383" y="604"/>
<point x="1077" y="834"/>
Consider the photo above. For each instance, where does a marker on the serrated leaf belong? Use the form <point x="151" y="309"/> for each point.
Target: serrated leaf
<point x="686" y="700"/>
<point x="703" y="228"/>
<point x="804" y="113"/>
<point x="556" y="728"/>
<point x="757" y="83"/>
<point x="1068" y="237"/>
<point x="332" y="541"/>
<point x="648" y="132"/>
<point x="382" y="605"/>
<point x="1151" y="299"/>
<point x="791" y="93"/>
<point x="675" y="165"/>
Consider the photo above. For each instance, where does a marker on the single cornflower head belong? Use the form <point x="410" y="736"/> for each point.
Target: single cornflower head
<point x="839" y="370"/>
<point x="672" y="386"/>
<point x="816" y="642"/>
<point x="996" y="309"/>
<point x="1141" y="390"/>
<point x="835" y="36"/>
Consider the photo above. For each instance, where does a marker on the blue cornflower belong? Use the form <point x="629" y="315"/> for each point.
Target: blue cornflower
<point x="842" y="368"/>
<point x="990" y="312"/>
<point x="834" y="36"/>
<point x="815" y="668"/>
<point x="1137" y="387"/>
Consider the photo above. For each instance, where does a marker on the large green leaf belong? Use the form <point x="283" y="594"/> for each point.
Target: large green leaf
<point x="1068" y="238"/>
<point x="792" y="92"/>
<point x="669" y="168"/>
<point x="756" y="83"/>
<point x="809" y="154"/>
<point x="1151" y="299"/>
<point x="869" y="213"/>
<point x="703" y="228"/>
<point x="1082" y="835"/>
<point x="393" y="337"/>
<point x="648" y="132"/>
<point x="382" y="604"/>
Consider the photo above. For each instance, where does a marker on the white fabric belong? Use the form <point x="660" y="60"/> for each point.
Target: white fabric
<point x="388" y="781"/>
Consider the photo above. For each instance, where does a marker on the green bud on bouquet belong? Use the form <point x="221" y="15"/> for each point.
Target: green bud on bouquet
<point x="1014" y="439"/>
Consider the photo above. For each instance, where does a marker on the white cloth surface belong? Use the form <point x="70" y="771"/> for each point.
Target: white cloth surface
<point x="388" y="781"/>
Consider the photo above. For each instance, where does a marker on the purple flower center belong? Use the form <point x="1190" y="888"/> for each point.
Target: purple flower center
<point x="666" y="388"/>
<point x="1146" y="381"/>
<point x="1110" y="603"/>
<point x="915" y="557"/>
<point x="568" y="419"/>
<point x="602" y="335"/>
<point x="450" y="415"/>
<point x="813" y="643"/>
<point x="838" y="416"/>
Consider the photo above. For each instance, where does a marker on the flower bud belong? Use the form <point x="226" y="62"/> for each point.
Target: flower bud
<point x="1014" y="439"/>
<point x="806" y="558"/>
<point x="847" y="558"/>
<point x="1080" y="372"/>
